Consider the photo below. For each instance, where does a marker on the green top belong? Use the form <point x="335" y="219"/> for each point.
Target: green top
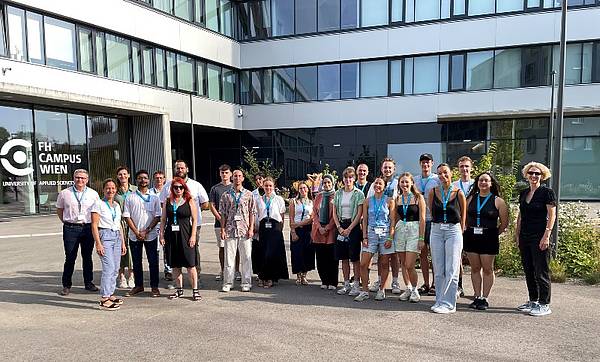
<point x="120" y="195"/>
<point x="356" y="200"/>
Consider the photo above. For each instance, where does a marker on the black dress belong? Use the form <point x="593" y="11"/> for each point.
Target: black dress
<point x="179" y="253"/>
<point x="274" y="261"/>
<point x="487" y="243"/>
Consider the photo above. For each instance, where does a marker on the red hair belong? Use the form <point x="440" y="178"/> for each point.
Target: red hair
<point x="186" y="191"/>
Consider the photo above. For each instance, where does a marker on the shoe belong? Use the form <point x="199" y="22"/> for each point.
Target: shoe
<point x="123" y="282"/>
<point x="476" y="302"/>
<point x="361" y="297"/>
<point x="245" y="288"/>
<point x="380" y="295"/>
<point x="375" y="286"/>
<point x="155" y="293"/>
<point x="415" y="297"/>
<point x="170" y="286"/>
<point x="134" y="291"/>
<point x="424" y="289"/>
<point x="168" y="277"/>
<point x="332" y="287"/>
<point x="405" y="295"/>
<point x="527" y="306"/>
<point x="460" y="292"/>
<point x="444" y="310"/>
<point x="541" y="310"/>
<point x="345" y="289"/>
<point x="109" y="305"/>
<point x="226" y="288"/>
<point x="65" y="291"/>
<point x="131" y="282"/>
<point x="238" y="276"/>
<point x="431" y="291"/>
<point x="435" y="306"/>
<point x="91" y="287"/>
<point x="303" y="279"/>
<point x="323" y="286"/>
<point x="355" y="290"/>
<point x="483" y="304"/>
<point x="396" y="288"/>
<point x="219" y="277"/>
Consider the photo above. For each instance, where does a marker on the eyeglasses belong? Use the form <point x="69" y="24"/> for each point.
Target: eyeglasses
<point x="177" y="187"/>
<point x="533" y="173"/>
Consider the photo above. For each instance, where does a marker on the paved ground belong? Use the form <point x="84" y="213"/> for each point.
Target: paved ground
<point x="284" y="323"/>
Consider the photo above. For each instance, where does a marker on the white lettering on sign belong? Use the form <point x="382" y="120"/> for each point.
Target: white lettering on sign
<point x="55" y="163"/>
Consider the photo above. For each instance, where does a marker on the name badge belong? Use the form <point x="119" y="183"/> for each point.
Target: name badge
<point x="477" y="231"/>
<point x="380" y="231"/>
<point x="237" y="218"/>
<point x="342" y="238"/>
<point x="268" y="225"/>
<point x="174" y="227"/>
<point x="80" y="217"/>
<point x="444" y="226"/>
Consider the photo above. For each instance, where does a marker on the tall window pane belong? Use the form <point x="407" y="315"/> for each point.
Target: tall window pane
<point x="374" y="12"/>
<point x="427" y="10"/>
<point x="201" y="78"/>
<point x="229" y="84"/>
<point x="480" y="7"/>
<point x="226" y="17"/>
<point x="349" y="80"/>
<point x="256" y="83"/>
<point x="457" y="72"/>
<point x="199" y="11"/>
<point x="212" y="19"/>
<point x="86" y="50"/>
<point x="306" y="83"/>
<point x="164" y="5"/>
<point x="505" y="6"/>
<point x="100" y="54"/>
<point x="408" y="75"/>
<point x="329" y="15"/>
<point x="507" y="68"/>
<point x="283" y="85"/>
<point x="480" y="67"/>
<point x="214" y="81"/>
<point x="445" y="9"/>
<point x="373" y="78"/>
<point x="136" y="55"/>
<point x="535" y="66"/>
<point x="306" y="16"/>
<point x="148" y="68"/>
<point x="536" y="3"/>
<point x="426" y="74"/>
<point x="183" y="9"/>
<point x="444" y="60"/>
<point x="171" y="69"/>
<point x="35" y="42"/>
<point x="244" y="87"/>
<point x="185" y="73"/>
<point x="586" y="63"/>
<point x="267" y="86"/>
<point x="349" y="14"/>
<point x="596" y="63"/>
<point x="409" y="12"/>
<point x="573" y="66"/>
<point x="283" y="17"/>
<point x="16" y="32"/>
<point x="117" y="58"/>
<point x="60" y="43"/>
<point x="396" y="76"/>
<point x="459" y="8"/>
<point x="329" y="81"/>
<point x="397" y="10"/>
<point x="2" y="34"/>
<point x="161" y="71"/>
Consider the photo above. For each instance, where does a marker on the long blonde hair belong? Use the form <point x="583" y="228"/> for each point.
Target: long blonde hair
<point x="413" y="187"/>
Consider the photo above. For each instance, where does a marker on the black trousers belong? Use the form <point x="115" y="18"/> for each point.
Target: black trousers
<point x="536" y="265"/>
<point x="327" y="265"/>
<point x="73" y="236"/>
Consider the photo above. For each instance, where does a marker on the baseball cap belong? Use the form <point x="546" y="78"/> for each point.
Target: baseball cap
<point x="426" y="157"/>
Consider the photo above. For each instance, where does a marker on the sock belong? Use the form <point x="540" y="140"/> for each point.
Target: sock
<point x="409" y="286"/>
<point x="394" y="279"/>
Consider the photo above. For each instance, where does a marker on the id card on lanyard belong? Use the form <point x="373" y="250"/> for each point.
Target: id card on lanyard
<point x="478" y="230"/>
<point x="268" y="224"/>
<point x="445" y="198"/>
<point x="80" y="215"/>
<point x="405" y="206"/>
<point x="236" y="200"/>
<point x="175" y="226"/>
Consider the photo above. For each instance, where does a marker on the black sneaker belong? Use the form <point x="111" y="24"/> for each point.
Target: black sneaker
<point x="423" y="289"/>
<point x="460" y="292"/>
<point x="476" y="302"/>
<point x="91" y="287"/>
<point x="483" y="304"/>
<point x="432" y="291"/>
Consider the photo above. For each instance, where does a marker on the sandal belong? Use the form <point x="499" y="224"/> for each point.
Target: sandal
<point x="178" y="294"/>
<point x="116" y="300"/>
<point x="261" y="283"/>
<point x="268" y="284"/>
<point x="108" y="304"/>
<point x="303" y="280"/>
<point x="299" y="279"/>
<point x="423" y="289"/>
<point x="196" y="295"/>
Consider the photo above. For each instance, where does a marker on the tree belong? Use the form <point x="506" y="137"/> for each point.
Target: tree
<point x="251" y="167"/>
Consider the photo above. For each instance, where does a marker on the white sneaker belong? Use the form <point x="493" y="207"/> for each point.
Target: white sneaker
<point x="355" y="290"/>
<point x="323" y="286"/>
<point x="362" y="296"/>
<point x="444" y="310"/>
<point x="396" y="288"/>
<point x="123" y="283"/>
<point x="527" y="306"/>
<point x="219" y="277"/>
<point x="344" y="290"/>
<point x="405" y="295"/>
<point x="435" y="306"/>
<point x="414" y="296"/>
<point x="380" y="295"/>
<point x="541" y="310"/>
<point x="245" y="288"/>
<point x="226" y="288"/>
<point x="238" y="276"/>
<point x="131" y="282"/>
<point x="332" y="287"/>
<point x="375" y="286"/>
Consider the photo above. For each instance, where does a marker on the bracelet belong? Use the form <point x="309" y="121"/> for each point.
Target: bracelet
<point x="548" y="229"/>
<point x="421" y="238"/>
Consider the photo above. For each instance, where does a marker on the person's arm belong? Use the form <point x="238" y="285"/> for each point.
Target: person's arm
<point x="292" y="214"/>
<point x="422" y="221"/>
<point x="545" y="242"/>
<point x="252" y="215"/>
<point x="430" y="201"/>
<point x="224" y="214"/>
<point x="365" y="224"/>
<point x="194" y="211"/>
<point x="392" y="208"/>
<point x="334" y="218"/>
<point x="59" y="212"/>
<point x="163" y="221"/>
<point x="214" y="211"/>
<point x="518" y="228"/>
<point x="503" y="211"/>
<point x="357" y="218"/>
<point x="96" y="233"/>
<point x="463" y="209"/>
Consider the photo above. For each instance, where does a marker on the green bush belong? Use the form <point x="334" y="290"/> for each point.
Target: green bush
<point x="558" y="273"/>
<point x="508" y="261"/>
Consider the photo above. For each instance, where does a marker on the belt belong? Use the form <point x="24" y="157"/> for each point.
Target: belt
<point x="70" y="224"/>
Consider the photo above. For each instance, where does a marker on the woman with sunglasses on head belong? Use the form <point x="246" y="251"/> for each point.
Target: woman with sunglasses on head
<point x="301" y="249"/>
<point x="485" y="209"/>
<point x="178" y="232"/>
<point x="537" y="213"/>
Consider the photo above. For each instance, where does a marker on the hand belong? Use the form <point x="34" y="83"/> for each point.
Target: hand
<point x="387" y="244"/>
<point x="544" y="243"/>
<point x="365" y="242"/>
<point x="322" y="230"/>
<point x="99" y="249"/>
<point x="250" y="233"/>
<point x="162" y="240"/>
<point x="421" y="245"/>
<point x="123" y="249"/>
<point x="192" y="241"/>
<point x="345" y="232"/>
<point x="141" y="235"/>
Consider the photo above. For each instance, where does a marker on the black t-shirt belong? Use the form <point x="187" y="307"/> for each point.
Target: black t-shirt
<point x="215" y="197"/>
<point x="364" y="188"/>
<point x="535" y="214"/>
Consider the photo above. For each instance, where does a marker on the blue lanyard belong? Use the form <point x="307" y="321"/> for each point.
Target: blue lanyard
<point x="236" y="199"/>
<point x="147" y="199"/>
<point x="424" y="185"/>
<point x="387" y="188"/>
<point x="303" y="210"/>
<point x="405" y="206"/>
<point x="175" y="206"/>
<point x="445" y="199"/>
<point x="460" y="184"/>
<point x="79" y="200"/>
<point x="113" y="210"/>
<point x="268" y="205"/>
<point x="378" y="206"/>
<point x="480" y="206"/>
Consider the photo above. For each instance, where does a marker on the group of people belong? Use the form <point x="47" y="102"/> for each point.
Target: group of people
<point x="397" y="217"/>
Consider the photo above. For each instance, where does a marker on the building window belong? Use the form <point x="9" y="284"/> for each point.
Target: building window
<point x="306" y="83"/>
<point x="226" y="13"/>
<point x="426" y="74"/>
<point x="244" y="87"/>
<point x="201" y="78"/>
<point x="171" y="70"/>
<point x="397" y="11"/>
<point x="457" y="72"/>
<point x="349" y="80"/>
<point x="480" y="7"/>
<point x="506" y="6"/>
<point x="349" y="14"/>
<point x="117" y="58"/>
<point x="306" y="16"/>
<point x="161" y="71"/>
<point x="185" y="73"/>
<point x="164" y="5"/>
<point x="35" y="38"/>
<point x="283" y="85"/>
<point x="396" y="76"/>
<point x="328" y="15"/>
<point x="199" y="12"/>
<point x="283" y="17"/>
<point x="586" y="62"/>
<point x="229" y="84"/>
<point x="60" y="43"/>
<point x="256" y="86"/>
<point x="267" y="86"/>
<point x="535" y="66"/>
<point x="136" y="58"/>
<point x="444" y="72"/>
<point x="183" y="9"/>
<point x="148" y="74"/>
<point x="86" y="49"/>
<point x="329" y="81"/>
<point x="408" y="76"/>
<point x="573" y="66"/>
<point x="374" y="78"/>
<point x="507" y="68"/>
<point x="459" y="8"/>
<point x="212" y="15"/>
<point x="214" y="81"/>
<point x="2" y="33"/>
<point x="16" y="33"/>
<point x="427" y="10"/>
<point x="480" y="69"/>
<point x="374" y="12"/>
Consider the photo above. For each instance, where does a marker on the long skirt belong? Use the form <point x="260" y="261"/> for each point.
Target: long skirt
<point x="302" y="251"/>
<point x="274" y="263"/>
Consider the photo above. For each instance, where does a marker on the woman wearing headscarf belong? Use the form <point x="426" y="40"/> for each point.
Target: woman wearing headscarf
<point x="323" y="235"/>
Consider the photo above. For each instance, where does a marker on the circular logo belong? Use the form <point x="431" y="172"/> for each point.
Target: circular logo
<point x="19" y="157"/>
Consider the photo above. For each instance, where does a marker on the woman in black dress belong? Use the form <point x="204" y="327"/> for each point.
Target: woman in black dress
<point x="301" y="249"/>
<point x="481" y="237"/>
<point x="178" y="232"/>
<point x="537" y="213"/>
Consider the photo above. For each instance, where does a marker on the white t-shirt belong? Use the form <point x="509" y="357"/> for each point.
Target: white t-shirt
<point x="142" y="209"/>
<point x="424" y="185"/>
<point x="110" y="216"/>
<point x="196" y="190"/>
<point x="308" y="209"/>
<point x="391" y="188"/>
<point x="276" y="208"/>
<point x="67" y="200"/>
<point x="345" y="205"/>
<point x="465" y="187"/>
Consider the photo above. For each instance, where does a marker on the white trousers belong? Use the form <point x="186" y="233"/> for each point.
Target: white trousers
<point x="243" y="247"/>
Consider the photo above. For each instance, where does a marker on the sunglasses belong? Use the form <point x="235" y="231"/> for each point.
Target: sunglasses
<point x="177" y="187"/>
<point x="533" y="173"/>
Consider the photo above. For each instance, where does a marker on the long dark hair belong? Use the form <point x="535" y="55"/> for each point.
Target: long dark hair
<point x="494" y="189"/>
<point x="308" y="194"/>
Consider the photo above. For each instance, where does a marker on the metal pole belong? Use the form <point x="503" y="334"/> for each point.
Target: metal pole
<point x="559" y="119"/>
<point x="551" y="122"/>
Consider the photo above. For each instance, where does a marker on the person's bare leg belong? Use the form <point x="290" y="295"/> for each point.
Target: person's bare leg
<point x="487" y="266"/>
<point x="409" y="267"/>
<point x="424" y="258"/>
<point x="365" y="262"/>
<point x="385" y="271"/>
<point x="476" y="279"/>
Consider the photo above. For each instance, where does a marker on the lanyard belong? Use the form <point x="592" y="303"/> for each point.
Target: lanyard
<point x="268" y="205"/>
<point x="378" y="206"/>
<point x="445" y="199"/>
<point x="480" y="206"/>
<point x="79" y="199"/>
<point x="362" y="188"/>
<point x="147" y="199"/>
<point x="424" y="185"/>
<point x="113" y="210"/>
<point x="236" y="200"/>
<point x="460" y="184"/>
<point x="303" y="210"/>
<point x="405" y="206"/>
<point x="175" y="206"/>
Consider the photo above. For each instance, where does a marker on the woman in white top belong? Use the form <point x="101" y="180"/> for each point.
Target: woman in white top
<point x="110" y="244"/>
<point x="271" y="211"/>
<point x="301" y="249"/>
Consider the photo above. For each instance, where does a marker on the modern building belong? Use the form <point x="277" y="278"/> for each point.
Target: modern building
<point x="98" y="84"/>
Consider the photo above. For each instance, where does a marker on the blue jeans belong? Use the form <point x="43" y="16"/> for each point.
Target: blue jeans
<point x="73" y="236"/>
<point x="446" y="249"/>
<point x="111" y="241"/>
<point x="152" y="255"/>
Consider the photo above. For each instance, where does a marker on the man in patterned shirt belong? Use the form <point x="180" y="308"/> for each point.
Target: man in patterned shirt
<point x="238" y="211"/>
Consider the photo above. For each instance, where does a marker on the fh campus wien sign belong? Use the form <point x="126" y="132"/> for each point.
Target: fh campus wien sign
<point x="15" y="160"/>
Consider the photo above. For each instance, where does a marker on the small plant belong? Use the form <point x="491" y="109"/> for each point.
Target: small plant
<point x="252" y="167"/>
<point x="558" y="273"/>
<point x="592" y="277"/>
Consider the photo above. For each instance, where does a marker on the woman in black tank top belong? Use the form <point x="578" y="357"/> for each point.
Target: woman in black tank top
<point x="481" y="242"/>
<point x="448" y="212"/>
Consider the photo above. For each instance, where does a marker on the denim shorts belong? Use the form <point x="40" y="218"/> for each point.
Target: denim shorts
<point x="377" y="243"/>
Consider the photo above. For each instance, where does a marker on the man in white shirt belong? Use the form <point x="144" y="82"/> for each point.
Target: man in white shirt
<point x="158" y="178"/>
<point x="465" y="165"/>
<point x="198" y="193"/>
<point x="73" y="207"/>
<point x="142" y="213"/>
